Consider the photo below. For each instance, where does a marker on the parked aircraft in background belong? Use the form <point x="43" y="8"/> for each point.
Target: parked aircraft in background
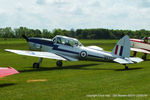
<point x="7" y="71"/>
<point x="70" y="49"/>
<point x="141" y="45"/>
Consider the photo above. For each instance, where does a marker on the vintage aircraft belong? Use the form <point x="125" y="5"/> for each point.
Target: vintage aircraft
<point x="141" y="45"/>
<point x="64" y="48"/>
<point x="7" y="71"/>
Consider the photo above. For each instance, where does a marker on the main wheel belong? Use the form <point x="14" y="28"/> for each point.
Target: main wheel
<point x="144" y="57"/>
<point x="36" y="65"/>
<point x="59" y="63"/>
<point x="126" y="67"/>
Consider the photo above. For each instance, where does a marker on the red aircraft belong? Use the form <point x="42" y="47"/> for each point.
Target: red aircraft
<point x="7" y="71"/>
<point x="141" y="45"/>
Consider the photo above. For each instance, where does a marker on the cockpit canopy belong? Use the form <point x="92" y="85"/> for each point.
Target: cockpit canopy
<point x="146" y="39"/>
<point x="66" y="41"/>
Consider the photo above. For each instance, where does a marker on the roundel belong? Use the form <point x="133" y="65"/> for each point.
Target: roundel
<point x="83" y="54"/>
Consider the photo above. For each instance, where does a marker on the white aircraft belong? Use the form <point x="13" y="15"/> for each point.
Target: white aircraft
<point x="7" y="71"/>
<point x="141" y="45"/>
<point x="64" y="48"/>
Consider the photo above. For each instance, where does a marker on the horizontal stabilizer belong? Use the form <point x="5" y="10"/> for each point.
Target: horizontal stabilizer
<point x="123" y="61"/>
<point x="136" y="59"/>
<point x="37" y="54"/>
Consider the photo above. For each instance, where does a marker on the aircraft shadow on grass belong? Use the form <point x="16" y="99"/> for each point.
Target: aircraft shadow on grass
<point x="147" y="60"/>
<point x="6" y="84"/>
<point x="81" y="67"/>
<point x="129" y="69"/>
<point x="56" y="68"/>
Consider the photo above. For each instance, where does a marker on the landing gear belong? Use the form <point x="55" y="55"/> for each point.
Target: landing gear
<point x="144" y="56"/>
<point x="134" y="53"/>
<point x="36" y="65"/>
<point x="59" y="63"/>
<point x="126" y="67"/>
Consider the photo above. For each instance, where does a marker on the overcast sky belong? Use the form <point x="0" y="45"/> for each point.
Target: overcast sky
<point x="67" y="14"/>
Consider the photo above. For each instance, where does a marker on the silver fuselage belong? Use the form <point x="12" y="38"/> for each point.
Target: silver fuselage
<point x="72" y="53"/>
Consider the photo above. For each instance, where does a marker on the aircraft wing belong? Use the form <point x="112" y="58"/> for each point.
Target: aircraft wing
<point x="95" y="48"/>
<point x="7" y="71"/>
<point x="37" y="54"/>
<point x="68" y="58"/>
<point x="140" y="50"/>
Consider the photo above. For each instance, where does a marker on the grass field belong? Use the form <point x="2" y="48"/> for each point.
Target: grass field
<point x="82" y="80"/>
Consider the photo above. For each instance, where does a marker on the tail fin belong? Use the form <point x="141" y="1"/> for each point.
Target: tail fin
<point x="122" y="48"/>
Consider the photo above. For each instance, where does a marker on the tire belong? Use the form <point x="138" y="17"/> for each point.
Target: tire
<point x="144" y="57"/>
<point x="126" y="67"/>
<point x="59" y="63"/>
<point x="36" y="65"/>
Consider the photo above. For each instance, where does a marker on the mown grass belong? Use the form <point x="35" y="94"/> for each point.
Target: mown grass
<point x="75" y="80"/>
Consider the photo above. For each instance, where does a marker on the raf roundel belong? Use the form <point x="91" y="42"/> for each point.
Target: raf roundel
<point x="83" y="54"/>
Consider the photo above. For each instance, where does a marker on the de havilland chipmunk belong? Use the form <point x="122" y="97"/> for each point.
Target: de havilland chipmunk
<point x="141" y="45"/>
<point x="64" y="48"/>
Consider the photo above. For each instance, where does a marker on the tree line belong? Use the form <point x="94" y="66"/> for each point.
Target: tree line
<point x="99" y="33"/>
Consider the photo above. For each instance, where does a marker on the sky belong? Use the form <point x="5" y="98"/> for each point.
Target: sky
<point x="75" y="14"/>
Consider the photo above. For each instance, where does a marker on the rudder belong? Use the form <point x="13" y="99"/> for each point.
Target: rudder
<point x="122" y="48"/>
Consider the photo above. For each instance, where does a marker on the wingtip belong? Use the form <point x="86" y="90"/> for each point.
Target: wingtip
<point x="6" y="49"/>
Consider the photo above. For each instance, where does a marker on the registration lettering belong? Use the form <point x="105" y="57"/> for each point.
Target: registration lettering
<point x="108" y="58"/>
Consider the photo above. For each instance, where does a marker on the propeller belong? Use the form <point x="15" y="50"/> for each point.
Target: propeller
<point x="25" y="37"/>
